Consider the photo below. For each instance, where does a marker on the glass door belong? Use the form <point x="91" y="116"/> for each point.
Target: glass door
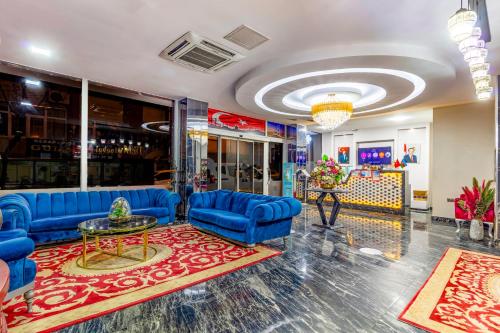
<point x="258" y="167"/>
<point x="275" y="168"/>
<point x="228" y="164"/>
<point x="213" y="163"/>
<point x="245" y="163"/>
<point x="237" y="165"/>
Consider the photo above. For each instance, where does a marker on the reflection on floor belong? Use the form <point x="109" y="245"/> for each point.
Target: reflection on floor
<point x="322" y="283"/>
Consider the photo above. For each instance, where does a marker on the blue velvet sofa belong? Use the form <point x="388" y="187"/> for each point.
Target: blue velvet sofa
<point x="15" y="246"/>
<point x="243" y="217"/>
<point x="50" y="217"/>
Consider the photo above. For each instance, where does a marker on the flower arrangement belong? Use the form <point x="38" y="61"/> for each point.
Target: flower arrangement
<point x="477" y="201"/>
<point x="120" y="210"/>
<point x="327" y="172"/>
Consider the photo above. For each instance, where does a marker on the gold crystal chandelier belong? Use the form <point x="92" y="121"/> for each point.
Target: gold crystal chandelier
<point x="331" y="113"/>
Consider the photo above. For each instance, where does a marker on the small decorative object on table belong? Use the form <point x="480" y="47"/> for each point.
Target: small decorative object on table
<point x="476" y="203"/>
<point x="327" y="173"/>
<point x="120" y="210"/>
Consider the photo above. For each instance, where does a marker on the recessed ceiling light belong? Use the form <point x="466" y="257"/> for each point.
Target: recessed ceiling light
<point x="399" y="118"/>
<point x="370" y="251"/>
<point x="40" y="50"/>
<point x="26" y="103"/>
<point x="32" y="82"/>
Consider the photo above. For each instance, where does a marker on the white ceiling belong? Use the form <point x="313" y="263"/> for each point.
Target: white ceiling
<point x="117" y="42"/>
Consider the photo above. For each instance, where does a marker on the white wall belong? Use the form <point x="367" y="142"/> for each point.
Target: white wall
<point x="395" y="136"/>
<point x="463" y="147"/>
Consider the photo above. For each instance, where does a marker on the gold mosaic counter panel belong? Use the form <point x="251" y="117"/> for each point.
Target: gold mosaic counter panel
<point x="385" y="194"/>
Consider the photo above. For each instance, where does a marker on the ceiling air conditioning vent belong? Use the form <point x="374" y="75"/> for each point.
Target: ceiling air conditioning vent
<point x="246" y="37"/>
<point x="199" y="53"/>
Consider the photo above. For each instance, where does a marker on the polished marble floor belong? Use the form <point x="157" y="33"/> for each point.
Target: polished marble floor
<point x="324" y="282"/>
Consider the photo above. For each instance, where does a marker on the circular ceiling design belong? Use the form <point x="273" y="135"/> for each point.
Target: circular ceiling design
<point x="359" y="89"/>
<point x="359" y="94"/>
<point x="374" y="84"/>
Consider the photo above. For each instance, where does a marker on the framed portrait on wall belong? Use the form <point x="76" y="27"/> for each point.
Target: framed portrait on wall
<point x="410" y="153"/>
<point x="344" y="155"/>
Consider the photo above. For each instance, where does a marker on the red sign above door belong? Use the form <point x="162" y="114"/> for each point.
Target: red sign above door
<point x="235" y="122"/>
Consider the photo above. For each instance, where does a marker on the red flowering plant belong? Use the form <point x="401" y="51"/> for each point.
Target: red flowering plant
<point x="477" y="201"/>
<point x="327" y="172"/>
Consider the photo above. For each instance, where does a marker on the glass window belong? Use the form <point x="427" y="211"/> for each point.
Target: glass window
<point x="39" y="134"/>
<point x="129" y="142"/>
<point x="213" y="159"/>
<point x="228" y="163"/>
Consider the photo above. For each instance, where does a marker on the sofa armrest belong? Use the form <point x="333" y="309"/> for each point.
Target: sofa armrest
<point x="9" y="217"/>
<point x="18" y="204"/>
<point x="277" y="210"/>
<point x="16" y="248"/>
<point x="11" y="234"/>
<point x="168" y="199"/>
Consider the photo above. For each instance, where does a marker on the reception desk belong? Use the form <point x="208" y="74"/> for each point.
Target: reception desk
<point x="385" y="191"/>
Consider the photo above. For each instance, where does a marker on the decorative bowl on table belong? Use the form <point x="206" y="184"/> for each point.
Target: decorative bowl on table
<point x="120" y="211"/>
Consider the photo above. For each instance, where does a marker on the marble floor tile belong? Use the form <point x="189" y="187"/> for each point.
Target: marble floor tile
<point x="323" y="282"/>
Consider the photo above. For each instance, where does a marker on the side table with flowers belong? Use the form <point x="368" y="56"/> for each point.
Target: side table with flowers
<point x="327" y="173"/>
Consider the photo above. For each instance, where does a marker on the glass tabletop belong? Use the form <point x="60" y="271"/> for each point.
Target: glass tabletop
<point x="104" y="226"/>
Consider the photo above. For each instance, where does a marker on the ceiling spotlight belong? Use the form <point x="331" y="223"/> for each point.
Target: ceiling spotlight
<point x="112" y="141"/>
<point x="461" y="24"/>
<point x="26" y="103"/>
<point x="130" y="142"/>
<point x="146" y="145"/>
<point x="32" y="82"/>
<point x="399" y="118"/>
<point x="41" y="51"/>
<point x="92" y="141"/>
<point x="122" y="140"/>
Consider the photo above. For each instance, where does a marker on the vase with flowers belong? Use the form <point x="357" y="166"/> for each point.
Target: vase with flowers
<point x="476" y="203"/>
<point x="327" y="173"/>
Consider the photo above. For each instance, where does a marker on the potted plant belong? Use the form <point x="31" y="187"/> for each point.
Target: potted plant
<point x="327" y="172"/>
<point x="476" y="202"/>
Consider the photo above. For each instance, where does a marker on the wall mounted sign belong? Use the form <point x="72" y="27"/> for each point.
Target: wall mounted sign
<point x="291" y="132"/>
<point x="344" y="155"/>
<point x="275" y="130"/>
<point x="375" y="155"/>
<point x="235" y="122"/>
<point x="288" y="174"/>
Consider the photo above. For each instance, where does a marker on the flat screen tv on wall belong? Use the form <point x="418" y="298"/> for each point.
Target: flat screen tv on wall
<point x="375" y="155"/>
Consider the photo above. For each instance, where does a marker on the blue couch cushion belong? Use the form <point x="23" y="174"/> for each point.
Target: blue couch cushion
<point x="252" y="203"/>
<point x="155" y="211"/>
<point x="63" y="222"/>
<point x="223" y="200"/>
<point x="222" y="218"/>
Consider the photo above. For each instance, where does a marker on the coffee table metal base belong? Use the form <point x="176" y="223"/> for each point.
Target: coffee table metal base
<point x="119" y="250"/>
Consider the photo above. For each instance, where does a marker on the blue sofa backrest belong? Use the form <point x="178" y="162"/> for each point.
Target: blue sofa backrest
<point x="235" y="202"/>
<point x="43" y="205"/>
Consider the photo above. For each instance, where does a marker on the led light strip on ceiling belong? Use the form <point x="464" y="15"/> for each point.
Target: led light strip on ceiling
<point x="418" y="86"/>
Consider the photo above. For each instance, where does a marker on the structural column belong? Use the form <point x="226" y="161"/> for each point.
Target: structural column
<point x="191" y="142"/>
<point x="84" y="135"/>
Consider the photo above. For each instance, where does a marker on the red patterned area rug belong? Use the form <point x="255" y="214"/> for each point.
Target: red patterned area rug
<point x="461" y="295"/>
<point x="179" y="257"/>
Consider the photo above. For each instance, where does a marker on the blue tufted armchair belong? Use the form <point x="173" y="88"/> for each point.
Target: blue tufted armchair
<point x="15" y="246"/>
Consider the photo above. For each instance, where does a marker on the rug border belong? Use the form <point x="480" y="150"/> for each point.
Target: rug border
<point x="412" y="301"/>
<point x="268" y="252"/>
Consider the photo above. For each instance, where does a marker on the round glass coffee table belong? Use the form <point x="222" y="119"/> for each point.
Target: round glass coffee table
<point x="104" y="227"/>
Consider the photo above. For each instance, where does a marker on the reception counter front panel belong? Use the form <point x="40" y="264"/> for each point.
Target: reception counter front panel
<point x="381" y="191"/>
